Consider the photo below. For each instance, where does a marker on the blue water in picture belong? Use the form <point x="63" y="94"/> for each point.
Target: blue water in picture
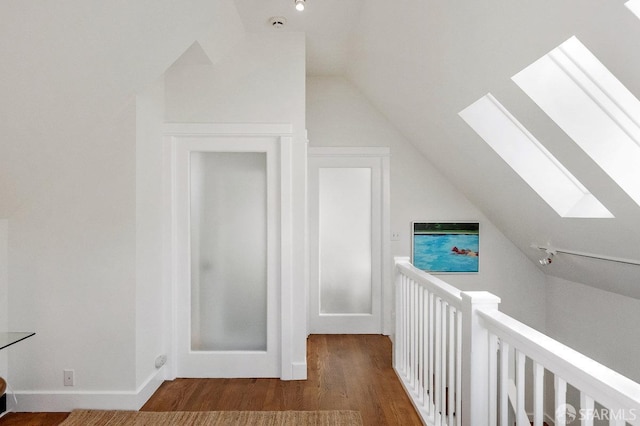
<point x="432" y="252"/>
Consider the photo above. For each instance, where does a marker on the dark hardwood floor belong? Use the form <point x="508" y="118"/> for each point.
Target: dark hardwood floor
<point x="346" y="372"/>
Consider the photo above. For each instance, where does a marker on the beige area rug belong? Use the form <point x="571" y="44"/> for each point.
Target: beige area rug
<point x="214" y="418"/>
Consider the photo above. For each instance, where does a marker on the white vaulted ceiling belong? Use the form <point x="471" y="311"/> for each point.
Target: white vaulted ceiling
<point x="328" y="25"/>
<point x="420" y="63"/>
<point x="423" y="62"/>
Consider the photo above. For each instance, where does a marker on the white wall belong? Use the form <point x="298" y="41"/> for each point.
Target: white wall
<point x="150" y="279"/>
<point x="339" y="115"/>
<point x="598" y="323"/>
<point x="263" y="81"/>
<point x="68" y="187"/>
<point x="72" y="264"/>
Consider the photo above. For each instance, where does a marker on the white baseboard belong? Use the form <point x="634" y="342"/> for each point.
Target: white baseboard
<point x="299" y="370"/>
<point x="148" y="388"/>
<point x="65" y="401"/>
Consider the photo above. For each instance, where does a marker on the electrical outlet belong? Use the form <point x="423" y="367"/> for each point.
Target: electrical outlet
<point x="161" y="360"/>
<point x="68" y="378"/>
<point x="395" y="236"/>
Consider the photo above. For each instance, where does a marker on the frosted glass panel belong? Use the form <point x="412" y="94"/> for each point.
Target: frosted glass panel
<point x="228" y="251"/>
<point x="345" y="240"/>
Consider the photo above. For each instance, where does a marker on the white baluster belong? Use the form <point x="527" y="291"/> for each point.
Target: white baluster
<point x="416" y="339"/>
<point x="403" y="322"/>
<point x="538" y="394"/>
<point x="521" y="416"/>
<point x="561" y="398"/>
<point x="399" y="314"/>
<point x="450" y="365"/>
<point x="406" y="329"/>
<point x="410" y="329"/>
<point x="438" y="364"/>
<point x="425" y="351"/>
<point x="399" y="317"/>
<point x="414" y="335"/>
<point x="504" y="383"/>
<point x="421" y="325"/>
<point x="616" y="417"/>
<point x="493" y="379"/>
<point x="418" y="333"/>
<point x="432" y="343"/>
<point x="615" y="420"/>
<point x="587" y="406"/>
<point x="459" y="368"/>
<point x="443" y="366"/>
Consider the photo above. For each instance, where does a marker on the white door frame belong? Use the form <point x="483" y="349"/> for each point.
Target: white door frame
<point x="382" y="155"/>
<point x="174" y="133"/>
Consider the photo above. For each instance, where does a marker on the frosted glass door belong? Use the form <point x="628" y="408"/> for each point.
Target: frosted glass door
<point x="227" y="236"/>
<point x="228" y="251"/>
<point x="345" y="240"/>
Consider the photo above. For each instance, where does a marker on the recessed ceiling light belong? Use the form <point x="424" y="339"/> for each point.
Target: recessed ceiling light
<point x="300" y="5"/>
<point x="277" y="21"/>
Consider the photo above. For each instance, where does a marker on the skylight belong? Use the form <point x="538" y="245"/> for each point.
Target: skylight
<point x="634" y="6"/>
<point x="531" y="160"/>
<point x="589" y="103"/>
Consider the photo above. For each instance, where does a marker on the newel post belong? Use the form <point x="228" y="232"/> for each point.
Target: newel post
<point x="398" y="337"/>
<point x="475" y="358"/>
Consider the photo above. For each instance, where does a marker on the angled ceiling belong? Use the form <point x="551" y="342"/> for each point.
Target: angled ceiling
<point x="421" y="63"/>
<point x="328" y="25"/>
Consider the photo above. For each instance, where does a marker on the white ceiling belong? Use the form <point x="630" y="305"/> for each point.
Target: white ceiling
<point x="418" y="62"/>
<point x="422" y="62"/>
<point x="328" y="25"/>
<point x="436" y="58"/>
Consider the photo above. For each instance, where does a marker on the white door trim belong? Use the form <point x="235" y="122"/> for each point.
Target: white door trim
<point x="173" y="133"/>
<point x="383" y="154"/>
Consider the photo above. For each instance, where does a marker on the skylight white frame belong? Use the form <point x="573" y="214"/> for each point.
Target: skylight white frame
<point x="531" y="160"/>
<point x="590" y="105"/>
<point x="634" y="6"/>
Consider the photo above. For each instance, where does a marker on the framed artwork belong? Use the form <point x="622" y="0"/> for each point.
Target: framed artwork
<point x="446" y="247"/>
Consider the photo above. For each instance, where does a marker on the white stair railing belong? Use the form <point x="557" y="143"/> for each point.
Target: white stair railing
<point x="618" y="396"/>
<point x="427" y="354"/>
<point x="462" y="362"/>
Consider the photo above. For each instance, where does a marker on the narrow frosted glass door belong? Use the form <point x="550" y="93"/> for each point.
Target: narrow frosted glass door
<point x="345" y="240"/>
<point x="228" y="232"/>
